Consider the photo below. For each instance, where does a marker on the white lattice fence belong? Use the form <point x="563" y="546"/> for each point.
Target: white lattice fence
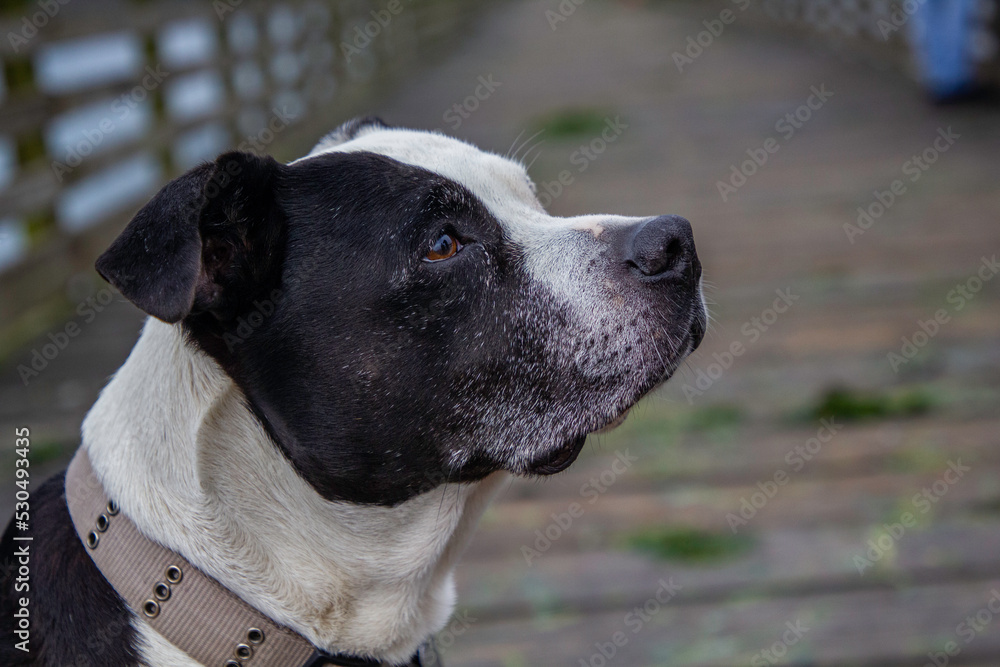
<point x="102" y="101"/>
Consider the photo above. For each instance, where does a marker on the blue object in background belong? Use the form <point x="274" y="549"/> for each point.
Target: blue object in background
<point x="941" y="34"/>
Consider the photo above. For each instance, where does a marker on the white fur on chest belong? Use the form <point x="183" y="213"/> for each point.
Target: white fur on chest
<point x="173" y="441"/>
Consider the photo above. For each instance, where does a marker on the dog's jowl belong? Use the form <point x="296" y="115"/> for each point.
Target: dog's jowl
<point x="344" y="358"/>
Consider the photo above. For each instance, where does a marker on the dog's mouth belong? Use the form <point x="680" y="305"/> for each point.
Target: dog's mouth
<point x="558" y="460"/>
<point x="564" y="456"/>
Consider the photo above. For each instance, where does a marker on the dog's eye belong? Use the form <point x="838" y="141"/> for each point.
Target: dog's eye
<point x="446" y="246"/>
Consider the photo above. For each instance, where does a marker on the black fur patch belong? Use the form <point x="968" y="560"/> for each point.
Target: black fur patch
<point x="77" y="619"/>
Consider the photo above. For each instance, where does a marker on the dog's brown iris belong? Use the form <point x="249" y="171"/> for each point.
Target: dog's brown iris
<point x="446" y="246"/>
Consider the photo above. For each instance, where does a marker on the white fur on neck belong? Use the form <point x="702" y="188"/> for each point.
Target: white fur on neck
<point x="173" y="442"/>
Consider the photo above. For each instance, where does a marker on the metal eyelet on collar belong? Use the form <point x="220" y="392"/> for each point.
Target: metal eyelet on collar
<point x="174" y="574"/>
<point x="233" y="663"/>
<point x="112" y="508"/>
<point x="255" y="636"/>
<point x="93" y="539"/>
<point x="151" y="608"/>
<point x="243" y="652"/>
<point x="102" y="523"/>
<point x="161" y="591"/>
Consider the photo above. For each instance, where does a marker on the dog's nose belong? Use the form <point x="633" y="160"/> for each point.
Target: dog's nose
<point x="662" y="246"/>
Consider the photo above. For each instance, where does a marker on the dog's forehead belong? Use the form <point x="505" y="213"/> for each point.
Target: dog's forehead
<point x="500" y="183"/>
<point x="552" y="248"/>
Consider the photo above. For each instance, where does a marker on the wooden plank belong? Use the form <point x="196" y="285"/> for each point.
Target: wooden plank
<point x="862" y="500"/>
<point x="876" y="628"/>
<point x="781" y="563"/>
<point x="668" y="452"/>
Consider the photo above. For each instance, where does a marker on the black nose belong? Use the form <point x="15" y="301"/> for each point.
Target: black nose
<point x="663" y="246"/>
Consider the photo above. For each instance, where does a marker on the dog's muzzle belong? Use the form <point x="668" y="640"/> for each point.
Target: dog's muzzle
<point x="657" y="265"/>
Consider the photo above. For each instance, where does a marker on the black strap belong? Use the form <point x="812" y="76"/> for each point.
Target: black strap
<point x="323" y="659"/>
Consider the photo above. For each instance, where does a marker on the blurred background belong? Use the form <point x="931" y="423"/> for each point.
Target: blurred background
<point x="819" y="483"/>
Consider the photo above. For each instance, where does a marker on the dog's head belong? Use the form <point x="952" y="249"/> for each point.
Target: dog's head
<point x="401" y="312"/>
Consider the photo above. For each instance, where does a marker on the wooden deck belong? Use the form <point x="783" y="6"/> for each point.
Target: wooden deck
<point x="874" y="541"/>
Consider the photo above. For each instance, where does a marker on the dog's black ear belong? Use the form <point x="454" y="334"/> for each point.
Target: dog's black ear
<point x="188" y="248"/>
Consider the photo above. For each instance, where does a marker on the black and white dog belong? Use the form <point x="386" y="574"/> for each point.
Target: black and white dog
<point x="346" y="356"/>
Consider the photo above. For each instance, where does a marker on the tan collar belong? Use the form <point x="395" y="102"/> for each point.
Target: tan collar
<point x="187" y="607"/>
